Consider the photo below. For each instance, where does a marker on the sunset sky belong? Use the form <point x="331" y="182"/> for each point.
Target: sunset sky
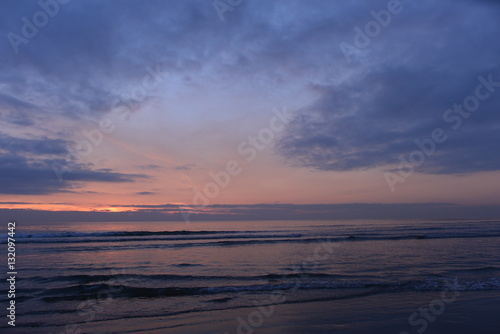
<point x="135" y="105"/>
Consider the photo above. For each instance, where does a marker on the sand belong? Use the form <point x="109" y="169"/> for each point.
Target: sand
<point x="471" y="312"/>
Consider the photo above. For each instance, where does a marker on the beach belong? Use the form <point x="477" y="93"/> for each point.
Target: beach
<point x="474" y="312"/>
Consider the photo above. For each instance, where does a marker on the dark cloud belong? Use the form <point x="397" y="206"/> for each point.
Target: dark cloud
<point x="145" y="193"/>
<point x="39" y="146"/>
<point x="431" y="61"/>
<point x="22" y="176"/>
<point x="17" y="203"/>
<point x="17" y="112"/>
<point x="32" y="166"/>
<point x="148" y="167"/>
<point x="186" y="167"/>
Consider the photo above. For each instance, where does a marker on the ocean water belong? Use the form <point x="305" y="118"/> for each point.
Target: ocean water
<point x="92" y="277"/>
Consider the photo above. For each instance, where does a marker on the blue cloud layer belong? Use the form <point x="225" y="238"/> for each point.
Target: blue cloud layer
<point x="365" y="115"/>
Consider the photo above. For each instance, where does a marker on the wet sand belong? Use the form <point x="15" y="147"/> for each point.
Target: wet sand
<point x="471" y="312"/>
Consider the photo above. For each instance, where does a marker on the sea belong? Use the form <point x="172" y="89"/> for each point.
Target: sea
<point x="154" y="276"/>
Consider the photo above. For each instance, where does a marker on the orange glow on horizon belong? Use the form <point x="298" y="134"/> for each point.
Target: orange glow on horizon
<point x="64" y="207"/>
<point x="45" y="207"/>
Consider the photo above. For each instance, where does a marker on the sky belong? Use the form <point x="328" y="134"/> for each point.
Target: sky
<point x="249" y="108"/>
